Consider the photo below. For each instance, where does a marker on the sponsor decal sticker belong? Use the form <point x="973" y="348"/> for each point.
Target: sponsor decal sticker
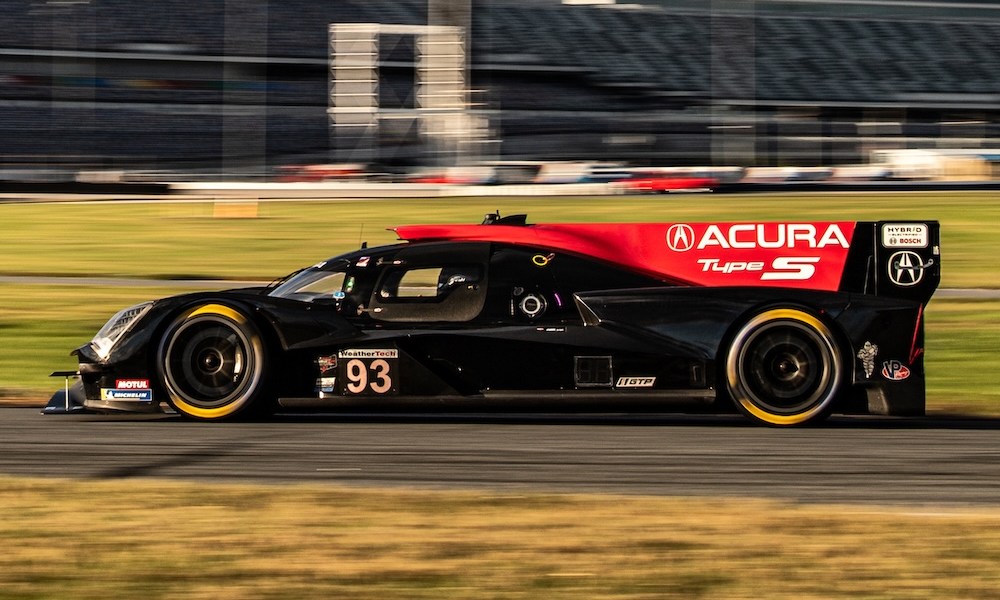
<point x="906" y="268"/>
<point x="369" y="353"/>
<point x="635" y="382"/>
<point x="772" y="254"/>
<point x="751" y="236"/>
<point x="327" y="364"/>
<point x="115" y="395"/>
<point x="783" y="268"/>
<point x="368" y="371"/>
<point x="132" y="384"/>
<point x="905" y="235"/>
<point x="326" y="385"/>
<point x="680" y="237"/>
<point x="542" y="260"/>
<point x="894" y="370"/>
<point x="867" y="355"/>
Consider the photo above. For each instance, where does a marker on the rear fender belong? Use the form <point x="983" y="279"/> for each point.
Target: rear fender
<point x="887" y="351"/>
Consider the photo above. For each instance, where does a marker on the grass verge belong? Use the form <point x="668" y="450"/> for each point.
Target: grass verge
<point x="181" y="240"/>
<point x="80" y="539"/>
<point x="41" y="324"/>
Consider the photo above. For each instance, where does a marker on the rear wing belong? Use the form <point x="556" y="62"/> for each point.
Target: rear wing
<point x="898" y="259"/>
<point x="890" y="258"/>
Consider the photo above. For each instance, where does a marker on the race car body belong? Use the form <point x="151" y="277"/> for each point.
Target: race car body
<point x="784" y="322"/>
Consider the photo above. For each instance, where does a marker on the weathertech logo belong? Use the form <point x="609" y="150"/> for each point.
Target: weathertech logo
<point x="366" y="353"/>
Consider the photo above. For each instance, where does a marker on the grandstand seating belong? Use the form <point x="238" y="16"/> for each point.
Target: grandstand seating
<point x="592" y="58"/>
<point x="794" y="57"/>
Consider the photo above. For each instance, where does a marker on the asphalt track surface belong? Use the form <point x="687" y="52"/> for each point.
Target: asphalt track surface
<point x="927" y="461"/>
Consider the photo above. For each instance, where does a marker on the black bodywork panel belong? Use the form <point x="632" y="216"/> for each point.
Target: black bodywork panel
<point x="528" y="327"/>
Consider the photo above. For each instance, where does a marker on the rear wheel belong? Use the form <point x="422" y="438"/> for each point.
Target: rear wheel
<point x="784" y="368"/>
<point x="211" y="362"/>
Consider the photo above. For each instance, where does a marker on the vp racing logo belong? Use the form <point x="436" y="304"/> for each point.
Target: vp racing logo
<point x="906" y="268"/>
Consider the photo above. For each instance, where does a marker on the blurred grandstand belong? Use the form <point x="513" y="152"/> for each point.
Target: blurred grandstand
<point x="241" y="86"/>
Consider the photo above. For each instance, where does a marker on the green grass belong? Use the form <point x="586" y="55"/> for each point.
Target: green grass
<point x="962" y="361"/>
<point x="184" y="240"/>
<point x="150" y="539"/>
<point x="40" y="324"/>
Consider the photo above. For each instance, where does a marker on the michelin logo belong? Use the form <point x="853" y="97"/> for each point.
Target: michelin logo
<point x="114" y="395"/>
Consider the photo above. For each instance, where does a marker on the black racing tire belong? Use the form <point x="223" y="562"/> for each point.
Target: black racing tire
<point x="784" y="368"/>
<point x="212" y="363"/>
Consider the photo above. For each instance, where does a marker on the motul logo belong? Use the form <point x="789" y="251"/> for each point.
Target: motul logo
<point x="132" y="384"/>
<point x="749" y="236"/>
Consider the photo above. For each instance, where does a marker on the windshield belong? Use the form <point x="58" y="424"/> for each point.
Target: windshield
<point x="322" y="282"/>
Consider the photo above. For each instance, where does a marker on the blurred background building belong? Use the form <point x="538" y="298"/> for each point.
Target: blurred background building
<point x="245" y="86"/>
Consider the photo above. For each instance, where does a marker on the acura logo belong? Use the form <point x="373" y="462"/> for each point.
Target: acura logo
<point x="906" y="268"/>
<point x="680" y="237"/>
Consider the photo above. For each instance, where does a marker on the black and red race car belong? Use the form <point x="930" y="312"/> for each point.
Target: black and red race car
<point x="785" y="322"/>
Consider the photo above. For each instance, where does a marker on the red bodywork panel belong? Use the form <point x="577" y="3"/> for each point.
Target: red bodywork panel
<point x="801" y="255"/>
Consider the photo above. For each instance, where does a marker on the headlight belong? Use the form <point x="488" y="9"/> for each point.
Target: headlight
<point x="116" y="327"/>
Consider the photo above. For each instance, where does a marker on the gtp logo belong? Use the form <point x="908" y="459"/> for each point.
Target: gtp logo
<point x="635" y="382"/>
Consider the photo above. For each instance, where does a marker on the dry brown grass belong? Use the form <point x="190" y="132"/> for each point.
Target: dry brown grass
<point x="162" y="540"/>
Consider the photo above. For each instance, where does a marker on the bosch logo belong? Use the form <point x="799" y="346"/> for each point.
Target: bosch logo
<point x="906" y="269"/>
<point x="680" y="237"/>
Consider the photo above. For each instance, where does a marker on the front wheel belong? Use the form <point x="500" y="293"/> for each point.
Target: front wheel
<point x="211" y="362"/>
<point x="784" y="368"/>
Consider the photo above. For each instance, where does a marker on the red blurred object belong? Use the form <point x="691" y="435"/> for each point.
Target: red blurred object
<point x="319" y="172"/>
<point x="668" y="184"/>
<point x="438" y="179"/>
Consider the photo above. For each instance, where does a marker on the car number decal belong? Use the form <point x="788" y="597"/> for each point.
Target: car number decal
<point x="370" y="372"/>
